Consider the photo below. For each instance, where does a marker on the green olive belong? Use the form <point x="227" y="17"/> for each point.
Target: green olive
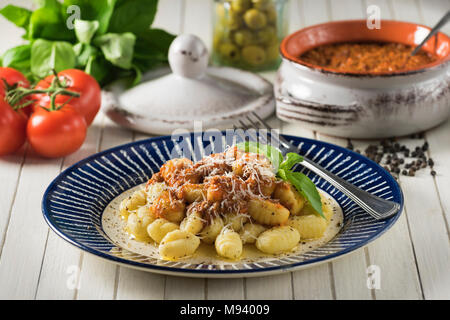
<point x="271" y="14"/>
<point x="261" y="4"/>
<point x="253" y="55"/>
<point x="217" y="39"/>
<point x="240" y="5"/>
<point x="267" y="35"/>
<point x="220" y="11"/>
<point x="234" y="20"/>
<point x="255" y="19"/>
<point x="244" y="38"/>
<point x="229" y="51"/>
<point x="272" y="52"/>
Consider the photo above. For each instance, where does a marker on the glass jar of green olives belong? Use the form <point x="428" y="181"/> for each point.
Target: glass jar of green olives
<point x="247" y="33"/>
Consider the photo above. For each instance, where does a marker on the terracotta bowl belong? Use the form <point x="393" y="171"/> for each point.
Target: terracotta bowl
<point x="363" y="104"/>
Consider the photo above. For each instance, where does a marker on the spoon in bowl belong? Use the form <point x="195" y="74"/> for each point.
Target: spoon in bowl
<point x="433" y="31"/>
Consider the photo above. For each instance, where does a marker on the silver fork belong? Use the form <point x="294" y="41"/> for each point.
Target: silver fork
<point x="377" y="207"/>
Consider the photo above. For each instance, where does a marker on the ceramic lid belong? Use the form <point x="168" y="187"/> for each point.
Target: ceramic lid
<point x="192" y="92"/>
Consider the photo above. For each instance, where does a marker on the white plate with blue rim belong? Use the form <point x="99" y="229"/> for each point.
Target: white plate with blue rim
<point x="74" y="204"/>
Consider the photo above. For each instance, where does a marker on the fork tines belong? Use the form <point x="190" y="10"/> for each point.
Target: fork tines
<point x="261" y="131"/>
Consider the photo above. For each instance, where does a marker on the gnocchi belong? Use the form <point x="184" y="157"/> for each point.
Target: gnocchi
<point x="229" y="201"/>
<point x="327" y="211"/>
<point x="133" y="202"/>
<point x="178" y="244"/>
<point x="168" y="208"/>
<point x="235" y="221"/>
<point x="309" y="226"/>
<point x="154" y="190"/>
<point x="289" y="197"/>
<point x="228" y="244"/>
<point x="250" y="232"/>
<point x="268" y="212"/>
<point x="278" y="240"/>
<point x="194" y="192"/>
<point x="137" y="226"/>
<point x="193" y="223"/>
<point x="158" y="229"/>
<point x="212" y="230"/>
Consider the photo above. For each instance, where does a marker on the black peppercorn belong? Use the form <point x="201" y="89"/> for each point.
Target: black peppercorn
<point x="350" y="146"/>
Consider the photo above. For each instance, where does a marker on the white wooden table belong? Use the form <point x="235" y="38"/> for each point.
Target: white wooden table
<point x="413" y="258"/>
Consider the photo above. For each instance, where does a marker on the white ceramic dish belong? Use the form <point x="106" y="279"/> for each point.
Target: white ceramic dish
<point x="363" y="105"/>
<point x="193" y="97"/>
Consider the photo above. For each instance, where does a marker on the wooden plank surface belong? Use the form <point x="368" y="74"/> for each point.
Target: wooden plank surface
<point x="316" y="283"/>
<point x="26" y="236"/>
<point x="397" y="279"/>
<point x="106" y="272"/>
<point x="59" y="276"/>
<point x="380" y="255"/>
<point x="413" y="257"/>
<point x="349" y="273"/>
<point x="427" y="223"/>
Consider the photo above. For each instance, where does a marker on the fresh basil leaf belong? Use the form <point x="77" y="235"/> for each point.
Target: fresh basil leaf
<point x="99" y="68"/>
<point x="78" y="49"/>
<point x="282" y="174"/>
<point x="290" y="160"/>
<point x="48" y="23"/>
<point x="18" y="57"/>
<point x="270" y="152"/>
<point x="153" y="44"/>
<point x="132" y="16"/>
<point x="146" y="64"/>
<point x="83" y="52"/>
<point x="99" y="10"/>
<point x="85" y="30"/>
<point x="117" y="48"/>
<point x="47" y="4"/>
<point x="51" y="55"/>
<point x="305" y="186"/>
<point x="273" y="154"/>
<point x="17" y="15"/>
<point x="138" y="76"/>
<point x="249" y="146"/>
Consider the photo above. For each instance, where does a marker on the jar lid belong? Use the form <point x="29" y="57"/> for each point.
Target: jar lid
<point x="216" y="96"/>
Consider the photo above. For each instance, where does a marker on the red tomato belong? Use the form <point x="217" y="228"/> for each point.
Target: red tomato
<point x="89" y="101"/>
<point x="12" y="128"/>
<point x="12" y="76"/>
<point x="55" y="134"/>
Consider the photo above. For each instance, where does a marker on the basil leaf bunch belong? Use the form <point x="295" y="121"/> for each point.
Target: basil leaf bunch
<point x="109" y="39"/>
<point x="283" y="167"/>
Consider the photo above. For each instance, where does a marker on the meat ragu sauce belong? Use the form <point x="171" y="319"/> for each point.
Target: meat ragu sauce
<point x="221" y="183"/>
<point x="375" y="57"/>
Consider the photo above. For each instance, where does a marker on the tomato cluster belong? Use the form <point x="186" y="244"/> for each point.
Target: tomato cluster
<point x="53" y="116"/>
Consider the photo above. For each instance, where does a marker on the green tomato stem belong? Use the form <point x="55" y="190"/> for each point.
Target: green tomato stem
<point x="13" y="97"/>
